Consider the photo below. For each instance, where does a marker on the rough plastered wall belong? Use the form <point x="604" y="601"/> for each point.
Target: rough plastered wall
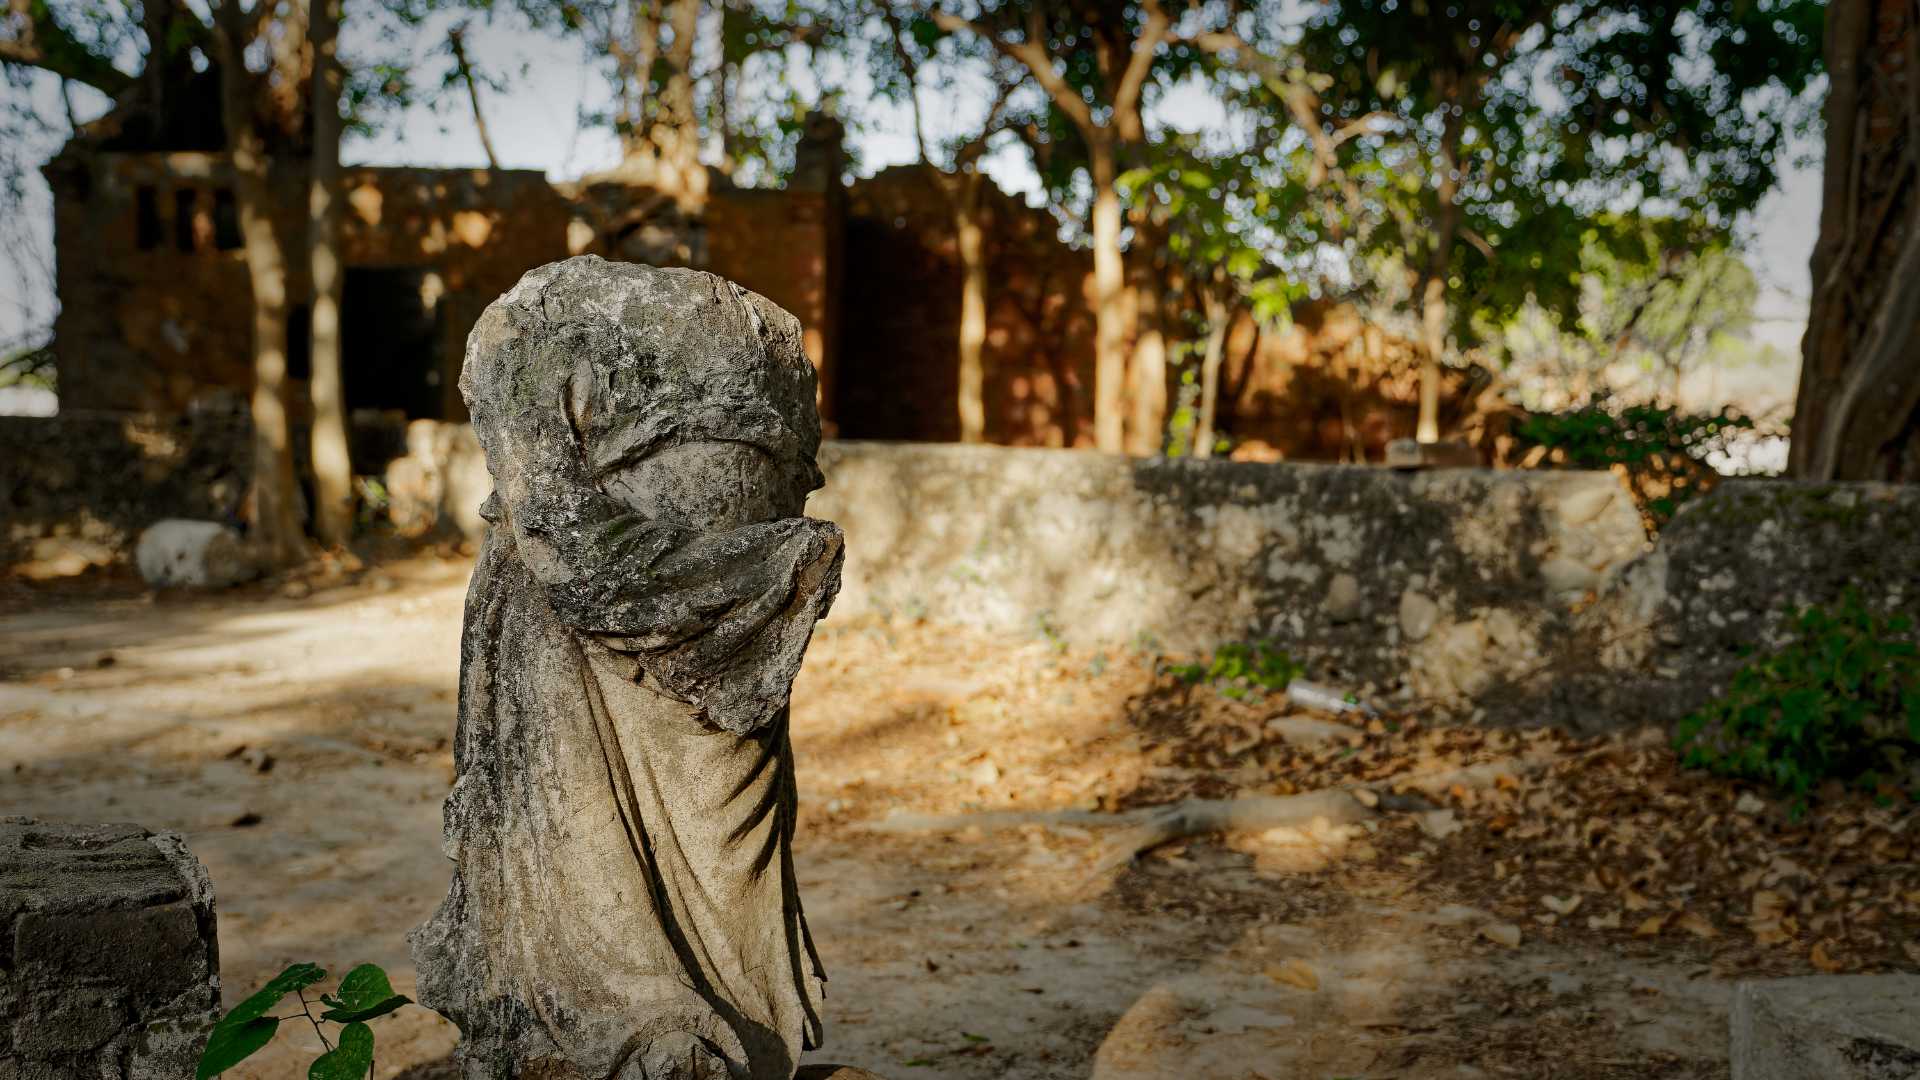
<point x="83" y="485"/>
<point x="1729" y="575"/>
<point x="1430" y="585"/>
<point x="1534" y="596"/>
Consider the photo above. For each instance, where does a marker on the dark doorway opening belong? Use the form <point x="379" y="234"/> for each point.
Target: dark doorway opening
<point x="389" y="341"/>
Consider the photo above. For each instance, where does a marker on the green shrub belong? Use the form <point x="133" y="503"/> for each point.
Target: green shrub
<point x="1840" y="702"/>
<point x="363" y="995"/>
<point x="1663" y="451"/>
<point x="1241" y="668"/>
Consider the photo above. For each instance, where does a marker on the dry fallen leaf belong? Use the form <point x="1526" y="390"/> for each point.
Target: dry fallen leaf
<point x="1604" y="922"/>
<point x="1651" y="927"/>
<point x="1294" y="973"/>
<point x="1560" y="906"/>
<point x="1502" y="934"/>
<point x="1823" y="960"/>
<point x="1695" y="925"/>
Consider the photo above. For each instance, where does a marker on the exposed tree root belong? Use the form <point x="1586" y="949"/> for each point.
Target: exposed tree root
<point x="1147" y="828"/>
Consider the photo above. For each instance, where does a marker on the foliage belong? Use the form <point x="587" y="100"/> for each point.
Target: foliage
<point x="1659" y="296"/>
<point x="364" y="994"/>
<point x="1840" y="702"/>
<point x="1515" y="129"/>
<point x="1242" y="668"/>
<point x="1662" y="449"/>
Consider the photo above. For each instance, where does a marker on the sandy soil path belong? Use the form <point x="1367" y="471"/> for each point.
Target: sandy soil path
<point x="301" y="746"/>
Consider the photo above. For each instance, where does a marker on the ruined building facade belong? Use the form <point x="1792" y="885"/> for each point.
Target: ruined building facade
<point x="155" y="316"/>
<point x="154" y="293"/>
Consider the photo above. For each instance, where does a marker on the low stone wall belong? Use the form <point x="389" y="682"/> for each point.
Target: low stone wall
<point x="1729" y="575"/>
<point x="1429" y="584"/>
<point x="81" y="485"/>
<point x="77" y="489"/>
<point x="1532" y="595"/>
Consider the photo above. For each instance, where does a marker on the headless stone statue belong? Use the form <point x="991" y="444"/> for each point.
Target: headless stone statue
<point x="623" y="904"/>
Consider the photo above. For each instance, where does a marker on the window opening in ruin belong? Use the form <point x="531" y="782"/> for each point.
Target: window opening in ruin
<point x="226" y="220"/>
<point x="146" y="217"/>
<point x="389" y="337"/>
<point x="300" y="342"/>
<point x="184" y="201"/>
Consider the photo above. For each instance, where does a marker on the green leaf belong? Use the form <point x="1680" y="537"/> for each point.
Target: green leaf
<point x="348" y="1061"/>
<point x="364" y="994"/>
<point x="231" y="1044"/>
<point x="248" y="1027"/>
<point x="297" y="977"/>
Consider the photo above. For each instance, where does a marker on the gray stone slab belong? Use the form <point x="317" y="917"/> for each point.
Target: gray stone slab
<point x="107" y="938"/>
<point x="1844" y="1027"/>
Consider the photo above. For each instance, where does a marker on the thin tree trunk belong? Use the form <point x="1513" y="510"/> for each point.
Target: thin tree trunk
<point x="1217" y="324"/>
<point x="456" y="38"/>
<point x="332" y="471"/>
<point x="1149" y="420"/>
<point x="646" y="49"/>
<point x="1110" y="359"/>
<point x="275" y="537"/>
<point x="973" y="308"/>
<point x="677" y="130"/>
<point x="1433" y="298"/>
<point x="1433" y="337"/>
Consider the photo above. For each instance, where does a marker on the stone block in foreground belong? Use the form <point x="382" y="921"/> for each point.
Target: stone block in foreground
<point x="1827" y="1027"/>
<point x="108" y="950"/>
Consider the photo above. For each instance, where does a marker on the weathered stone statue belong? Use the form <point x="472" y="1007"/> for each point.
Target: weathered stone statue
<point x="623" y="902"/>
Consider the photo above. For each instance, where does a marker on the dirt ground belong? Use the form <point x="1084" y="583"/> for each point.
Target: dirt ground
<point x="952" y="786"/>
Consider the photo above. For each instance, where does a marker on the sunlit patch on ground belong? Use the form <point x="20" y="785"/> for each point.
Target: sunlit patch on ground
<point x="1575" y="908"/>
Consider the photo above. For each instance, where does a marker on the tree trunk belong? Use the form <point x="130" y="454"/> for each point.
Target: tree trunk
<point x="332" y="471"/>
<point x="1217" y="324"/>
<point x="1149" y="421"/>
<point x="973" y="308"/>
<point x="677" y="131"/>
<point x="1433" y="338"/>
<point x="1433" y="290"/>
<point x="1109" y="354"/>
<point x="1857" y="416"/>
<point x="637" y="138"/>
<point x="275" y="535"/>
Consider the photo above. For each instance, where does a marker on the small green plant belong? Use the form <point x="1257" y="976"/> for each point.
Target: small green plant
<point x="1045" y="628"/>
<point x="363" y="995"/>
<point x="1242" y="668"/>
<point x="1841" y="701"/>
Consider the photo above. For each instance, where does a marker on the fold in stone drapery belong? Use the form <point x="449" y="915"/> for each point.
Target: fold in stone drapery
<point x="622" y="815"/>
<point x="578" y="381"/>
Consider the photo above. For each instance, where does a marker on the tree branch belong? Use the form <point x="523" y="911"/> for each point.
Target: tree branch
<point x="36" y="39"/>
<point x="1033" y="54"/>
<point x="1126" y="98"/>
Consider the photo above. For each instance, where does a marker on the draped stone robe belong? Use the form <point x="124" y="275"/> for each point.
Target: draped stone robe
<point x="623" y="902"/>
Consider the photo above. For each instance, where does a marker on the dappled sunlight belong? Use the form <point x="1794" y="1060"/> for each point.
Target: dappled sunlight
<point x="976" y="850"/>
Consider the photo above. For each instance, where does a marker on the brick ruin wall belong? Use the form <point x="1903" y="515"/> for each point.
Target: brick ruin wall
<point x="1331" y="387"/>
<point x="150" y="266"/>
<point x="152" y="281"/>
